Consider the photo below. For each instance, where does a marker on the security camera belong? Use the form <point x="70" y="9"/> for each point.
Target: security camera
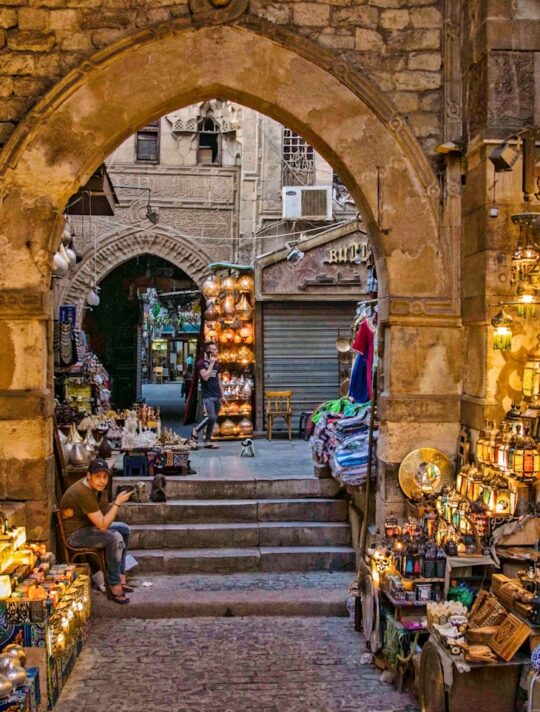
<point x="494" y="211"/>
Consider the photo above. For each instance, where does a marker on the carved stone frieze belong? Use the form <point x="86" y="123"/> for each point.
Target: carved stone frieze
<point x="24" y="304"/>
<point x="216" y="12"/>
<point x="511" y="90"/>
<point x="477" y="89"/>
<point x="128" y="245"/>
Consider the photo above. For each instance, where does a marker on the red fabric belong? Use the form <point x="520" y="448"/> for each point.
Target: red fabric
<point x="363" y="343"/>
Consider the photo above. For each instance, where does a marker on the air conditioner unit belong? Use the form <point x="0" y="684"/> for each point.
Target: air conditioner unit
<point x="312" y="202"/>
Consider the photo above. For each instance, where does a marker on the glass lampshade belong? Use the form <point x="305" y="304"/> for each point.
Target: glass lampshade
<point x="531" y="373"/>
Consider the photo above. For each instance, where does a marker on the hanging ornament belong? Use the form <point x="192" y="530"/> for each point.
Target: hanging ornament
<point x="228" y="308"/>
<point x="526" y="306"/>
<point x="212" y="311"/>
<point x="60" y="265"/>
<point x="66" y="233"/>
<point x="502" y="334"/>
<point x="72" y="257"/>
<point x="92" y="298"/>
<point x="228" y="284"/>
<point x="243" y="308"/>
<point x="211" y="287"/>
<point x="245" y="283"/>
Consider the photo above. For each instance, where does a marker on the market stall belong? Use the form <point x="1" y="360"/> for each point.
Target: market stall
<point x="44" y="613"/>
<point x="228" y="321"/>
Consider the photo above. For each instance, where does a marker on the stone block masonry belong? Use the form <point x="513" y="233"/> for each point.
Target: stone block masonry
<point x="45" y="39"/>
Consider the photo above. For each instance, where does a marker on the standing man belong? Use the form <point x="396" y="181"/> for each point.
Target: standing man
<point x="89" y="521"/>
<point x="212" y="393"/>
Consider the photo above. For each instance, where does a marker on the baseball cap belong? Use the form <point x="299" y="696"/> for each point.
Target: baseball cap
<point x="99" y="465"/>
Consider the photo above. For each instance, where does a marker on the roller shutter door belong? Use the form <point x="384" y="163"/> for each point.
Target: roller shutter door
<point x="300" y="350"/>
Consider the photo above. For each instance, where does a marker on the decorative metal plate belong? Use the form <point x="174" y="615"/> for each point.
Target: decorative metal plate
<point x="425" y="471"/>
<point x="432" y="695"/>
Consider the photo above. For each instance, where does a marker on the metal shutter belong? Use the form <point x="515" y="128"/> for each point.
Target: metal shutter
<point x="300" y="350"/>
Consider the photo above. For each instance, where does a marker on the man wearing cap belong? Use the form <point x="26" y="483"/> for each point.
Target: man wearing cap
<point x="89" y="521"/>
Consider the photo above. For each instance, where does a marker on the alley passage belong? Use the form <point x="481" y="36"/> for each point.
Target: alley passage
<point x="227" y="664"/>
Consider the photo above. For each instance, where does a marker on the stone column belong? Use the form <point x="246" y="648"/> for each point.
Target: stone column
<point x="419" y="401"/>
<point x="26" y="406"/>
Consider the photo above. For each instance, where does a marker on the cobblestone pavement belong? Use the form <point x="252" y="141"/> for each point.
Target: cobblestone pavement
<point x="227" y="665"/>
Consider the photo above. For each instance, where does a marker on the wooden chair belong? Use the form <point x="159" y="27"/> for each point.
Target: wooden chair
<point x="70" y="554"/>
<point x="158" y="374"/>
<point x="278" y="405"/>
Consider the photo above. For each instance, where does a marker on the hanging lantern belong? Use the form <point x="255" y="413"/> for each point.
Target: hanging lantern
<point x="227" y="336"/>
<point x="245" y="283"/>
<point x="66" y="233"/>
<point x="246" y="331"/>
<point x="523" y="260"/>
<point x="243" y="308"/>
<point x="531" y="373"/>
<point x="526" y="306"/>
<point x="228" y="309"/>
<point x="212" y="311"/>
<point x="92" y="298"/>
<point x="72" y="257"/>
<point x="60" y="264"/>
<point x="228" y="284"/>
<point x="211" y="287"/>
<point x="502" y="334"/>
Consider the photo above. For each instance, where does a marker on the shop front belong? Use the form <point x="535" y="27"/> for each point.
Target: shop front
<point x="306" y="302"/>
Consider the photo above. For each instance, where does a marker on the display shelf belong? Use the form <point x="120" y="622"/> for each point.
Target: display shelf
<point x="398" y="602"/>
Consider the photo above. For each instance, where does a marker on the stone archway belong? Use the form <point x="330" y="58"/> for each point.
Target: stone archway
<point x="89" y="112"/>
<point x="127" y="244"/>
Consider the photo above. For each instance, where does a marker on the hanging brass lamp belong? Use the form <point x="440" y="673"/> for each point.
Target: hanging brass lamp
<point x="502" y="331"/>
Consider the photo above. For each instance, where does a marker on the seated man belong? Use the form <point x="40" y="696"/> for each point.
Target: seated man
<point x="89" y="521"/>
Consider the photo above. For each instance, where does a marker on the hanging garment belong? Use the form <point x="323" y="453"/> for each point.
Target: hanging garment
<point x="358" y="388"/>
<point x="364" y="344"/>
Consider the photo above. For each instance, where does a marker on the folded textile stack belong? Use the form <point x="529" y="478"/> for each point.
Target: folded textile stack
<point x="323" y="441"/>
<point x="350" y="460"/>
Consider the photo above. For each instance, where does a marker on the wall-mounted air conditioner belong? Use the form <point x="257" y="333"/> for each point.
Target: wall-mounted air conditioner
<point x="301" y="202"/>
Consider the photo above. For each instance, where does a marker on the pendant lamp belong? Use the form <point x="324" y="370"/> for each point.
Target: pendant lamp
<point x="243" y="308"/>
<point x="60" y="264"/>
<point x="245" y="283"/>
<point x="92" y="298"/>
<point x="211" y="287"/>
<point x="228" y="284"/>
<point x="502" y="331"/>
<point x="228" y="308"/>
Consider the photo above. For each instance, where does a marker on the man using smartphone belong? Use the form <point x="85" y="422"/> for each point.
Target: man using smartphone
<point x="89" y="521"/>
<point x="212" y="393"/>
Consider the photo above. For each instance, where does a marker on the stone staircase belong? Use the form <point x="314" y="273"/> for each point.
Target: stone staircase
<point x="211" y="526"/>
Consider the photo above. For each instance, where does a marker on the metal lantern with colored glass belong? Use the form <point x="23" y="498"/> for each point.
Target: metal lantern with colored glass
<point x="502" y="331"/>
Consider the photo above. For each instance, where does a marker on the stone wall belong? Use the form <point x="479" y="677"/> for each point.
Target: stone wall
<point x="396" y="43"/>
<point x="501" y="90"/>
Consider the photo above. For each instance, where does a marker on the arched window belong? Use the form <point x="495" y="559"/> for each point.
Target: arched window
<point x="208" y="141"/>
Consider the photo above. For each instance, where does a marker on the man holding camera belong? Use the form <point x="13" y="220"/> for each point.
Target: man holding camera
<point x="212" y="393"/>
<point x="88" y="520"/>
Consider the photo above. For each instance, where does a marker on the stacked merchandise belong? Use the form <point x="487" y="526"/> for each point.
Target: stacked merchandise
<point x="341" y="438"/>
<point x="228" y="321"/>
<point x="45" y="609"/>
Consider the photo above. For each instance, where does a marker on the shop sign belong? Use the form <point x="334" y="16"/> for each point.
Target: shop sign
<point x="355" y="253"/>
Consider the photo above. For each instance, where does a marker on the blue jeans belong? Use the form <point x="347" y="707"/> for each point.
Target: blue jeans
<point x="212" y="407"/>
<point x="115" y="542"/>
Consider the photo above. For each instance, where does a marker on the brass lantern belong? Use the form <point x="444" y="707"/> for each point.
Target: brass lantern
<point x="245" y="283"/>
<point x="228" y="284"/>
<point x="531" y="374"/>
<point x="523" y="260"/>
<point x="211" y="287"/>
<point x="243" y="308"/>
<point x="502" y="334"/>
<point x="228" y="308"/>
<point x="527" y="305"/>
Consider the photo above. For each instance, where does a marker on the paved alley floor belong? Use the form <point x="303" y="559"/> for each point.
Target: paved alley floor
<point x="226" y="665"/>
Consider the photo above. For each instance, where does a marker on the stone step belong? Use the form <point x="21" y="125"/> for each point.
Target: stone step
<point x="271" y="558"/>
<point x="239" y="510"/>
<point x="309" y="593"/>
<point x="195" y="488"/>
<point x="244" y="534"/>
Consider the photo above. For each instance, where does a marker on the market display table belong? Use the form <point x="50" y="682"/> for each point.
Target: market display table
<point x="169" y="460"/>
<point x="447" y="684"/>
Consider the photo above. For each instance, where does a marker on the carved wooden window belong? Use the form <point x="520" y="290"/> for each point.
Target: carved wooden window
<point x="147" y="143"/>
<point x="298" y="160"/>
<point x="208" y="141"/>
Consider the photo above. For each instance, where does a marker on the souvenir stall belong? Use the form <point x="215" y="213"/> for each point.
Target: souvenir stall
<point x="434" y="600"/>
<point x="81" y="381"/>
<point x="44" y="613"/>
<point x="228" y="321"/>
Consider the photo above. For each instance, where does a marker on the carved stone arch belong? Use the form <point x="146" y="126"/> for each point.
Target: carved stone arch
<point x="123" y="246"/>
<point x="270" y="69"/>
